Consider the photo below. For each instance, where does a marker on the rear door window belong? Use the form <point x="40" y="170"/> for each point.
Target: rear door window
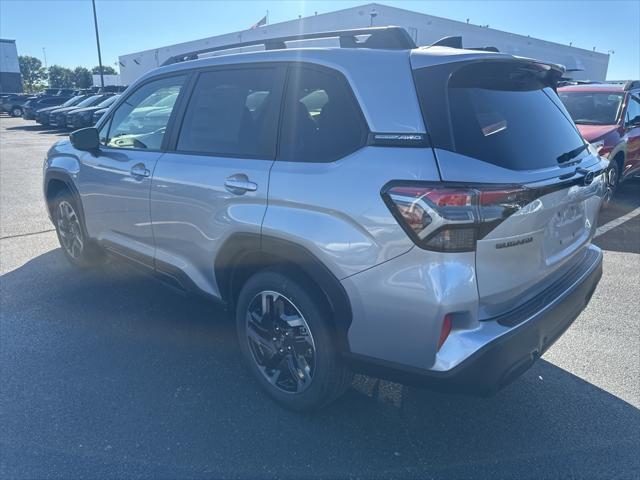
<point x="502" y="113"/>
<point x="233" y="112"/>
<point x="321" y="118"/>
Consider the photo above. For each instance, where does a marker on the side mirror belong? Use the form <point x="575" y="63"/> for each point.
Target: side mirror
<point x="85" y="139"/>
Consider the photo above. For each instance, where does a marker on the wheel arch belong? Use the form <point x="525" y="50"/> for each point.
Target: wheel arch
<point x="619" y="157"/>
<point x="242" y="255"/>
<point x="55" y="182"/>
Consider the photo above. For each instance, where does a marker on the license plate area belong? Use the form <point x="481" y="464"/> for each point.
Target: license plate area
<point x="565" y="228"/>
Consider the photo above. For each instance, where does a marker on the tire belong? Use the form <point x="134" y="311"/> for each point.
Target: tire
<point x="311" y="374"/>
<point x="72" y="234"/>
<point x="16" y="111"/>
<point x="613" y="180"/>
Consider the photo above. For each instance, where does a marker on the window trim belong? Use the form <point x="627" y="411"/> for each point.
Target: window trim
<point x="366" y="130"/>
<point x="631" y="97"/>
<point x="278" y="67"/>
<point x="106" y="119"/>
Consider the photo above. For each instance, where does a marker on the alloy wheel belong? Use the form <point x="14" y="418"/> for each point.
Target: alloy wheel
<point x="69" y="229"/>
<point x="612" y="184"/>
<point x="280" y="342"/>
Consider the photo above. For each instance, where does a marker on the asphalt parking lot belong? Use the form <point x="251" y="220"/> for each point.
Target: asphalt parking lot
<point x="107" y="374"/>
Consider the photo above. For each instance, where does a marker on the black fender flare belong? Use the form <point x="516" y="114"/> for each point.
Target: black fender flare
<point x="241" y="246"/>
<point x="66" y="179"/>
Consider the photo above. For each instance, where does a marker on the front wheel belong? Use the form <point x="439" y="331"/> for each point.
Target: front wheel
<point x="613" y="179"/>
<point x="16" y="112"/>
<point x="287" y="342"/>
<point x="78" y="249"/>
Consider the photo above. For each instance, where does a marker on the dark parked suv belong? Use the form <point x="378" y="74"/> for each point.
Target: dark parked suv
<point x="35" y="104"/>
<point x="42" y="115"/>
<point x="422" y="213"/>
<point x="13" y="104"/>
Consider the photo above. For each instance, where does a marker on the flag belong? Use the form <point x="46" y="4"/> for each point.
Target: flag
<point x="261" y="22"/>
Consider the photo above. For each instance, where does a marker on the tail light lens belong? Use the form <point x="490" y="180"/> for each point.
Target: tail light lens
<point x="451" y="219"/>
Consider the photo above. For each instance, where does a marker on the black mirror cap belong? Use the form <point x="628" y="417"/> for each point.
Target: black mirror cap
<point x="86" y="139"/>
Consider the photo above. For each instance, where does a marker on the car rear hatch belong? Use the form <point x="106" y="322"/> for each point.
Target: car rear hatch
<point x="527" y="187"/>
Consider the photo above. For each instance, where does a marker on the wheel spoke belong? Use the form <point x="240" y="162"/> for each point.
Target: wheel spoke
<point x="280" y="342"/>
<point x="267" y="347"/>
<point x="69" y="230"/>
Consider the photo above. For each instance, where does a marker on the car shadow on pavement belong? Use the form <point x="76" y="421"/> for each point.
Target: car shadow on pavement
<point x="106" y="373"/>
<point x="626" y="236"/>
<point x="31" y="128"/>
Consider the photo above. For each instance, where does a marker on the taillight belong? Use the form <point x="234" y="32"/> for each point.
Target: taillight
<point x="448" y="218"/>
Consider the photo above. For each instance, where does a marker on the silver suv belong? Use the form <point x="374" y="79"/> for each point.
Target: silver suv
<point x="419" y="214"/>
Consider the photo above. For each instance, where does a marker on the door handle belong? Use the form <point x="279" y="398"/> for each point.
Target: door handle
<point x="140" y="170"/>
<point x="239" y="184"/>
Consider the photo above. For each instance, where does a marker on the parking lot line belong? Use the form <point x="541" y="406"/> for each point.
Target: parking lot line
<point x="617" y="222"/>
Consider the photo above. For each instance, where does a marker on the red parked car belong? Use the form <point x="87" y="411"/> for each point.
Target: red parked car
<point x="608" y="117"/>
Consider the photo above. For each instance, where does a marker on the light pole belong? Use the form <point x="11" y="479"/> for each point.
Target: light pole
<point x="44" y="52"/>
<point x="95" y="22"/>
<point x="373" y="14"/>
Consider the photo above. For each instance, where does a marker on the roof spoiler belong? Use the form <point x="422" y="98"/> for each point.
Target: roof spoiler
<point x="389" y="38"/>
<point x="456" y="42"/>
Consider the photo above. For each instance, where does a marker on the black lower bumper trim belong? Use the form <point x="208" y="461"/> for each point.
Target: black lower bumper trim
<point x="507" y="357"/>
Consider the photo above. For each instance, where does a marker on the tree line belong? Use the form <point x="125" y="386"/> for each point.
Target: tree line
<point x="35" y="77"/>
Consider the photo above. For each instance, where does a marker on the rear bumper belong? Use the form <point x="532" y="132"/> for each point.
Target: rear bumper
<point x="505" y="358"/>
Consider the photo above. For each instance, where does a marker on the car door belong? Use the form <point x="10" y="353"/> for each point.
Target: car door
<point x="114" y="182"/>
<point x="215" y="180"/>
<point x="632" y="134"/>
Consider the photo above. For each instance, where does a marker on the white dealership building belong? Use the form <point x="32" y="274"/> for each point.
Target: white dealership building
<point x="425" y="29"/>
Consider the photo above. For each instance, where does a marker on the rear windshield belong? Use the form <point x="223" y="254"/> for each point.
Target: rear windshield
<point x="592" y="108"/>
<point x="502" y="113"/>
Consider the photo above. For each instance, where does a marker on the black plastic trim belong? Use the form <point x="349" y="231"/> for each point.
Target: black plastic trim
<point x="242" y="245"/>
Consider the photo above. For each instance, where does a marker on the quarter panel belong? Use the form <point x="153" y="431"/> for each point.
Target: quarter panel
<point x="399" y="306"/>
<point x="335" y="209"/>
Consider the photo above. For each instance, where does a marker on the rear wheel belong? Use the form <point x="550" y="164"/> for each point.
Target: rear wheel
<point x="285" y="339"/>
<point x="76" y="246"/>
<point x="16" y="112"/>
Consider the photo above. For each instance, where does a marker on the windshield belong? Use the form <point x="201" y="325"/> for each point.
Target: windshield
<point x="72" y="101"/>
<point x="501" y="113"/>
<point x="592" y="108"/>
<point x="108" y="101"/>
<point x="87" y="102"/>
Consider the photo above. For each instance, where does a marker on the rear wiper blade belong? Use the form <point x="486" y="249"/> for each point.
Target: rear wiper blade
<point x="565" y="157"/>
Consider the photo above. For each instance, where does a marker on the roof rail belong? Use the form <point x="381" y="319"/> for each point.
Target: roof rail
<point x="391" y="38"/>
<point x="456" y="42"/>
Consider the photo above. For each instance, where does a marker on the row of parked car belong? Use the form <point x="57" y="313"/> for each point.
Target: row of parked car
<point x="63" y="108"/>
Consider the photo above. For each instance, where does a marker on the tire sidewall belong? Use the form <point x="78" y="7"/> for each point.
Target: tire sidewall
<point x="613" y="166"/>
<point x="14" y="110"/>
<point x="295" y="289"/>
<point x="90" y="255"/>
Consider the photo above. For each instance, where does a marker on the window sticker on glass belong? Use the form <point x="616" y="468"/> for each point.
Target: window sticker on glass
<point x="491" y="123"/>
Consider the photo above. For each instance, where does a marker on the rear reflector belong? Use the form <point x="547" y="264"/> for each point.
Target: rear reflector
<point x="445" y="331"/>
